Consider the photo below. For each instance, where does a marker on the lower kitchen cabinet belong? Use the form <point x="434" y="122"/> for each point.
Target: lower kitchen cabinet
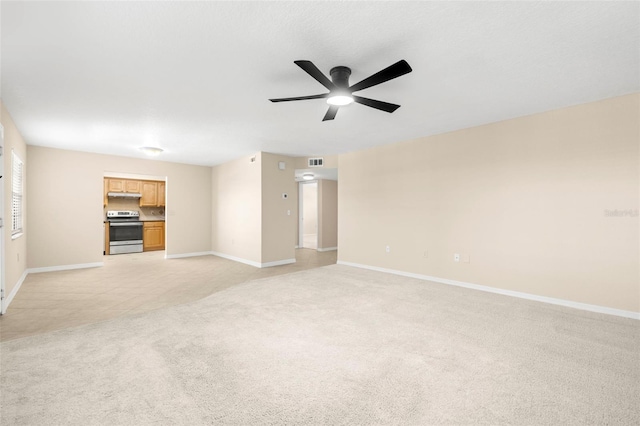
<point x="153" y="236"/>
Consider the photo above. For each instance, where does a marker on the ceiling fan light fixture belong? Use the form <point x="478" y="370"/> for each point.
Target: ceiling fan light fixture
<point x="340" y="100"/>
<point x="151" y="150"/>
<point x="307" y="176"/>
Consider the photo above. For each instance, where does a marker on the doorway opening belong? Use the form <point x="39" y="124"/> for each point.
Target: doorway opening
<point x="308" y="224"/>
<point x="134" y="213"/>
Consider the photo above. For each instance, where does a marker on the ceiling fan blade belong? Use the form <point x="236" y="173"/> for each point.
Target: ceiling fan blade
<point x="300" y="98"/>
<point x="389" y="73"/>
<point x="384" y="106"/>
<point x="331" y="113"/>
<point x="314" y="72"/>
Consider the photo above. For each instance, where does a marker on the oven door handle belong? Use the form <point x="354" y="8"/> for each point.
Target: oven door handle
<point x="125" y="224"/>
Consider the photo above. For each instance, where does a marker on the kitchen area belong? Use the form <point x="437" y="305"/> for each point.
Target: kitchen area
<point x="134" y="215"/>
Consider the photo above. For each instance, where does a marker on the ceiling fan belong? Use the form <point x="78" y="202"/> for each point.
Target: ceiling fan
<point x="340" y="93"/>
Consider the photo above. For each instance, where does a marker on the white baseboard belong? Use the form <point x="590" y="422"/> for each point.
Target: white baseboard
<point x="65" y="267"/>
<point x="327" y="249"/>
<point x="181" y="255"/>
<point x="277" y="263"/>
<point x="14" y="291"/>
<point x="253" y="263"/>
<point x="237" y="259"/>
<point x="528" y="296"/>
<point x="296" y="246"/>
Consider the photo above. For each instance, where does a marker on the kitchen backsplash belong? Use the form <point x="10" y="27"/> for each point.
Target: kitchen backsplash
<point x="146" y="213"/>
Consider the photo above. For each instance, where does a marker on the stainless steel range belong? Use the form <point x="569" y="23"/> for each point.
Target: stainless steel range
<point x="125" y="231"/>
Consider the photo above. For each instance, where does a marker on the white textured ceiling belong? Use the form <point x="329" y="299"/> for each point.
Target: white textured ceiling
<point x="194" y="77"/>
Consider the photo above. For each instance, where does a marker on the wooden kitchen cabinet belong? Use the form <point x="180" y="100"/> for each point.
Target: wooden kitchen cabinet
<point x="152" y="194"/>
<point x="123" y="185"/>
<point x="153" y="236"/>
<point x="106" y="190"/>
<point x="149" y="194"/>
<point x="106" y="238"/>
<point x="161" y="191"/>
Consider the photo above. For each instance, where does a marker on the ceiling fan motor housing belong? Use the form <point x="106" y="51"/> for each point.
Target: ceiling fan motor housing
<point x="340" y="76"/>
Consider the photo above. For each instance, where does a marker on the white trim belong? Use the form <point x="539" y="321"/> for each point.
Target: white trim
<point x="14" y="291"/>
<point x="327" y="249"/>
<point x="253" y="263"/>
<point x="277" y="263"/>
<point x="65" y="267"/>
<point x="181" y="255"/>
<point x="528" y="296"/>
<point x="237" y="259"/>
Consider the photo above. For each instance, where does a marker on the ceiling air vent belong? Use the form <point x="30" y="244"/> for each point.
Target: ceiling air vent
<point x="315" y="162"/>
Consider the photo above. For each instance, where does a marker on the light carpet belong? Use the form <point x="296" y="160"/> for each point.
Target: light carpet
<point x="332" y="346"/>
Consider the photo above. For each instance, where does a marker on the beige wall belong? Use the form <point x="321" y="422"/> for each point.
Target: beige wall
<point x="66" y="196"/>
<point x="249" y="216"/>
<point x="236" y="228"/>
<point x="278" y="215"/>
<point x="327" y="214"/>
<point x="15" y="251"/>
<point x="526" y="199"/>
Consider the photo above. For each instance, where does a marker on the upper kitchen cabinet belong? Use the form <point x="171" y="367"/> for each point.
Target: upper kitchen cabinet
<point x="152" y="194"/>
<point x="161" y="194"/>
<point x="106" y="191"/>
<point x="149" y="194"/>
<point x="124" y="185"/>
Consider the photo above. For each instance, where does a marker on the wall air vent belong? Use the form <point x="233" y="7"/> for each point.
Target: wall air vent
<point x="315" y="162"/>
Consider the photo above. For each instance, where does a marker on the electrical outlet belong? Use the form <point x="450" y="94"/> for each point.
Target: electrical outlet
<point x="388" y="249"/>
<point x="456" y="257"/>
<point x="426" y="254"/>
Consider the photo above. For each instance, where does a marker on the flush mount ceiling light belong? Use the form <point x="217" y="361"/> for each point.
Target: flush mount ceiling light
<point x="307" y="176"/>
<point x="151" y="150"/>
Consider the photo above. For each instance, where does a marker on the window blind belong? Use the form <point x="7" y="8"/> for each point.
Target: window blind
<point x="16" y="194"/>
